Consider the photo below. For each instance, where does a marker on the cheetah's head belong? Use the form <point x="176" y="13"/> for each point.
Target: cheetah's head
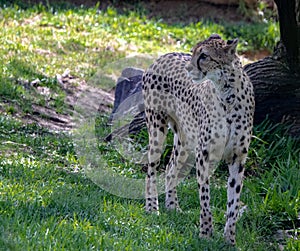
<point x="210" y="56"/>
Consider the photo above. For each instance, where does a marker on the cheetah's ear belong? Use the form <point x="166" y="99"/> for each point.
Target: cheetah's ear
<point x="231" y="45"/>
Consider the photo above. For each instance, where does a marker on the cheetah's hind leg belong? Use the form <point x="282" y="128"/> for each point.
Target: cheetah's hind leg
<point x="174" y="167"/>
<point x="157" y="129"/>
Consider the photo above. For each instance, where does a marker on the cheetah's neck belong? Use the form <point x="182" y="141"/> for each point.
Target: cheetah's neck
<point x="227" y="82"/>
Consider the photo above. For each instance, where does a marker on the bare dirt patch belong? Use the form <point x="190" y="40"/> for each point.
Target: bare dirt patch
<point x="78" y="93"/>
<point x="173" y="11"/>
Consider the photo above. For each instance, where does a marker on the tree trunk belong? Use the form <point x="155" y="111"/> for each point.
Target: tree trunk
<point x="289" y="21"/>
<point x="276" y="79"/>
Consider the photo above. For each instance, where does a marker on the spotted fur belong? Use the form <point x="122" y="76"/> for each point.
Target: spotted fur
<point x="207" y="100"/>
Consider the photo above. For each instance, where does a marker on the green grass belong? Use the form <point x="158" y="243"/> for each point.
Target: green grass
<point x="44" y="41"/>
<point x="47" y="201"/>
<point x="38" y="42"/>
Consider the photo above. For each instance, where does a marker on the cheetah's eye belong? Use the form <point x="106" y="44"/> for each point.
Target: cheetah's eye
<point x="203" y="56"/>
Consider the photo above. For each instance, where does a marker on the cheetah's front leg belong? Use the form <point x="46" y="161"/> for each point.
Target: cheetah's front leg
<point x="202" y="167"/>
<point x="235" y="183"/>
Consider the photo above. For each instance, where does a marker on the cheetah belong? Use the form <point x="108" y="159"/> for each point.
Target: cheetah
<point x="208" y="102"/>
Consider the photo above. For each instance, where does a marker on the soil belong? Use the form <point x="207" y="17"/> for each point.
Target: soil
<point x="81" y="100"/>
<point x="175" y="11"/>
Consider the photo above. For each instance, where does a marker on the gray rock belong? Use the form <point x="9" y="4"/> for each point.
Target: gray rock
<point x="128" y="84"/>
<point x="125" y="88"/>
<point x="130" y="72"/>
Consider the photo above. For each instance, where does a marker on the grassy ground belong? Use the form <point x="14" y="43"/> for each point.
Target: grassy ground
<point x="47" y="202"/>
